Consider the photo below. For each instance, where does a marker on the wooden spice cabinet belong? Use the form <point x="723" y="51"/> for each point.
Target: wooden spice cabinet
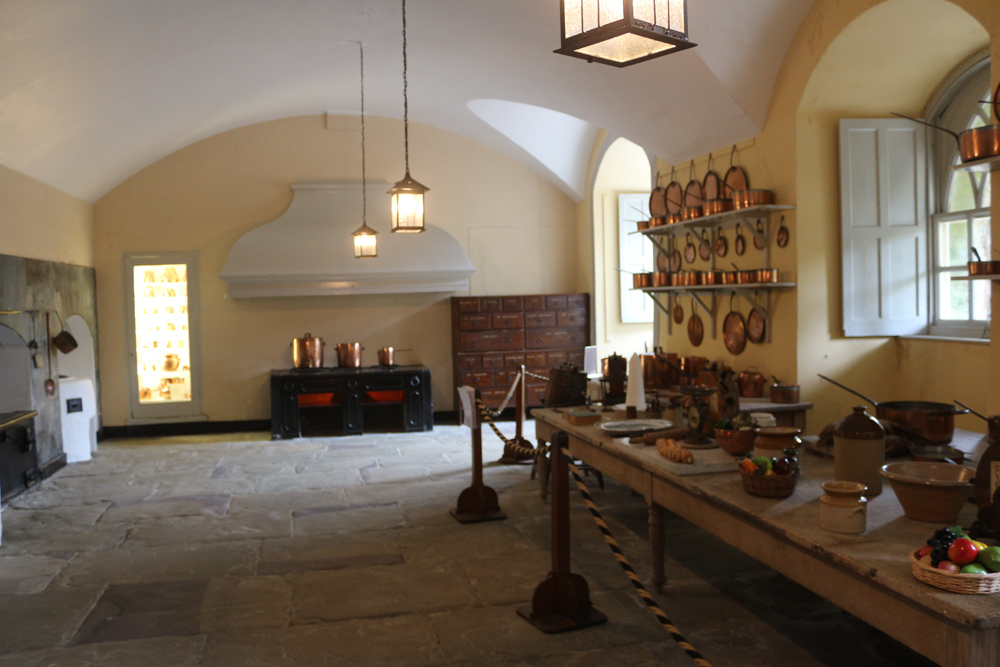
<point x="492" y="336"/>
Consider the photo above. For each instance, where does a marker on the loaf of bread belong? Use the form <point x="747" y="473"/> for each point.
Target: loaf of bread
<point x="670" y="450"/>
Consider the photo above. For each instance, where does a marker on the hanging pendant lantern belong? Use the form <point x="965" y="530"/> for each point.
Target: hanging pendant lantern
<point x="407" y="194"/>
<point x="365" y="242"/>
<point x="623" y="32"/>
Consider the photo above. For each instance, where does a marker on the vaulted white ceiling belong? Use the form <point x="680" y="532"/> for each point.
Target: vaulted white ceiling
<point x="92" y="91"/>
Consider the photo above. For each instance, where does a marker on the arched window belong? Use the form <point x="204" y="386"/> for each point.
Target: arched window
<point x="962" y="204"/>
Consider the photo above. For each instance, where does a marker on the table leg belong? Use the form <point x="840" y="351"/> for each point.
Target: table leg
<point x="656" y="545"/>
<point x="542" y="465"/>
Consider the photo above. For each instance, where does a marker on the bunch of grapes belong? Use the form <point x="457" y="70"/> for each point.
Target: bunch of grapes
<point x="939" y="544"/>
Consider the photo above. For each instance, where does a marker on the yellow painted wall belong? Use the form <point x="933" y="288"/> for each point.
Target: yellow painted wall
<point x="624" y="169"/>
<point x="519" y="231"/>
<point x="842" y="63"/>
<point x="41" y="222"/>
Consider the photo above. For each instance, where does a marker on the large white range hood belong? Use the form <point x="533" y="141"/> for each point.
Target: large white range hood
<point x="309" y="250"/>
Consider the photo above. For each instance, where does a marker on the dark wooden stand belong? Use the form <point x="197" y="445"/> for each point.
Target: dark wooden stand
<point x="348" y="393"/>
<point x="478" y="502"/>
<point x="562" y="601"/>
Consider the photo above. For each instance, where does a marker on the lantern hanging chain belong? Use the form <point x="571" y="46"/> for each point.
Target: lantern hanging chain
<point x="364" y="195"/>
<point x="406" y="107"/>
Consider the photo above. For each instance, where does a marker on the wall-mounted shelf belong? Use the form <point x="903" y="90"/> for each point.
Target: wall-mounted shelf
<point x="726" y="219"/>
<point x="985" y="276"/>
<point x="983" y="164"/>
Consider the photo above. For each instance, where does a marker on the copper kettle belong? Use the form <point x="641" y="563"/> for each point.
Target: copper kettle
<point x="307" y="352"/>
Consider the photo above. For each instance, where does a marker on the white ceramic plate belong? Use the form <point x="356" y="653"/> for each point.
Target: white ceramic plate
<point x="633" y="426"/>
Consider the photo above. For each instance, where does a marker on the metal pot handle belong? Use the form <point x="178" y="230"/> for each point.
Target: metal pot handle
<point x="936" y="127"/>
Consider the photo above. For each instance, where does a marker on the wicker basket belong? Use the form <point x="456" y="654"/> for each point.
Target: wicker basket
<point x="768" y="486"/>
<point x="968" y="584"/>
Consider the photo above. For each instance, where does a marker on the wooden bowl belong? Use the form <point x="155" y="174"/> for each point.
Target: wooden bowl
<point x="931" y="492"/>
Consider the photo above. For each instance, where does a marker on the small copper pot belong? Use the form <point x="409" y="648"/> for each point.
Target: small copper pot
<point x="785" y="393"/>
<point x="661" y="279"/>
<point x="749" y="198"/>
<point x="691" y="212"/>
<point x="730" y="277"/>
<point x="713" y="206"/>
<point x="386" y="356"/>
<point x="987" y="268"/>
<point x="643" y="225"/>
<point x="349" y="355"/>
<point x="751" y="384"/>
<point x="674" y="219"/>
<point x="640" y="280"/>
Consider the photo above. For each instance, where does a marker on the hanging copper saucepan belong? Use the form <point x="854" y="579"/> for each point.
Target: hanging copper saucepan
<point x="673" y="196"/>
<point x="977" y="143"/>
<point x="658" y="200"/>
<point x="756" y="326"/>
<point x="734" y="331"/>
<point x="696" y="329"/>
<point x="735" y="179"/>
<point x="782" y="236"/>
<point x="740" y="244"/>
<point x="675" y="260"/>
<point x="721" y="245"/>
<point x="758" y="238"/>
<point x="705" y="247"/>
<point x="678" y="311"/>
<point x="690" y="250"/>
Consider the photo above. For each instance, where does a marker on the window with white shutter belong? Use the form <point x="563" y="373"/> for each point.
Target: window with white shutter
<point x="883" y="182"/>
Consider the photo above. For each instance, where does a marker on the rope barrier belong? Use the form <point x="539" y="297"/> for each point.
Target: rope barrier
<point x="595" y="513"/>
<point x="536" y="376"/>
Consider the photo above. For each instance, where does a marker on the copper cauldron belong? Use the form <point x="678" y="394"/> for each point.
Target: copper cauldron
<point x="307" y="352"/>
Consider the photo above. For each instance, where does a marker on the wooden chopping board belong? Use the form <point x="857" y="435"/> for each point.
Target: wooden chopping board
<point x="706" y="461"/>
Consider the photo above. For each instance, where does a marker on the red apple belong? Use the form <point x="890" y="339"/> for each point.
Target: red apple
<point x="948" y="566"/>
<point x="924" y="551"/>
<point x="962" y="551"/>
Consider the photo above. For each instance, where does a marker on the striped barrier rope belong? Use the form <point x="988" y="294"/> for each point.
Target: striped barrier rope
<point x="637" y="584"/>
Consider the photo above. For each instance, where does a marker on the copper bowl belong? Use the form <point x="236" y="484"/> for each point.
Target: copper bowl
<point x="640" y="280"/>
<point x="749" y="198"/>
<point x="713" y="206"/>
<point x="691" y="212"/>
<point x="736" y="443"/>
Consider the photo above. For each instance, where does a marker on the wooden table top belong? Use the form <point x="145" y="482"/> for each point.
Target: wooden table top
<point x="880" y="555"/>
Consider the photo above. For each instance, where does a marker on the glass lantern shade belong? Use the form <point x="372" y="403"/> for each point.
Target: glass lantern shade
<point x="623" y="32"/>
<point x="408" y="205"/>
<point x="365" y="242"/>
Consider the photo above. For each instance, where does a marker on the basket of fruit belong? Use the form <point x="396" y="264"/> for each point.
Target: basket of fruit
<point x="954" y="562"/>
<point x="770" y="477"/>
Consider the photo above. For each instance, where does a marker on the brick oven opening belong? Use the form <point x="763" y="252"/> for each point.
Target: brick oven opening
<point x="15" y="369"/>
<point x="18" y="454"/>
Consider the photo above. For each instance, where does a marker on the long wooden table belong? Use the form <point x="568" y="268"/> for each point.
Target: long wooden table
<point x="869" y="575"/>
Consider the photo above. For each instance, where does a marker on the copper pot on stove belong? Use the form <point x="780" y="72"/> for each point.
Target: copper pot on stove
<point x="349" y="355"/>
<point x="307" y="352"/>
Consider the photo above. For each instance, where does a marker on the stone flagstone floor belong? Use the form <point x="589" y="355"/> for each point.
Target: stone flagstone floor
<point x="236" y="550"/>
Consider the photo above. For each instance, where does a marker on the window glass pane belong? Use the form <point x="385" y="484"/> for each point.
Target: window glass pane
<point x="981" y="237"/>
<point x="987" y="192"/>
<point x="163" y="350"/>
<point x="953" y="296"/>
<point x="952" y="239"/>
<point x="981" y="300"/>
<point x="961" y="195"/>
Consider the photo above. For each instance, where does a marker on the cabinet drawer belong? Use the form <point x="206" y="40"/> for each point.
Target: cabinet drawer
<point x="555" y="302"/>
<point x="475" y="322"/>
<point x="513" y="360"/>
<point x="571" y="318"/>
<point x="469" y="361"/>
<point x="508" y="320"/>
<point x="513" y="303"/>
<point x="468" y="304"/>
<point x="554" y="359"/>
<point x="539" y="319"/>
<point x="492" y="361"/>
<point x="534" y="302"/>
<point x="506" y="378"/>
<point x="489" y="304"/>
<point x="575" y="357"/>
<point x="535" y="359"/>
<point x="492" y="398"/>
<point x="476" y="378"/>
<point x="490" y="341"/>
<point x="541" y="339"/>
<point x="576" y="301"/>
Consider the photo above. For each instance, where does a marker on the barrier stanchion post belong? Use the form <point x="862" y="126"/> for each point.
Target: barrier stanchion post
<point x="562" y="601"/>
<point x="510" y="455"/>
<point x="478" y="502"/>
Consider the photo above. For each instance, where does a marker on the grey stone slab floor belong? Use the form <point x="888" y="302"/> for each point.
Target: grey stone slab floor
<point x="238" y="550"/>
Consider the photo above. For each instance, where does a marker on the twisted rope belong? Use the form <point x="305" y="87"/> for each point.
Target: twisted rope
<point x="595" y="513"/>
